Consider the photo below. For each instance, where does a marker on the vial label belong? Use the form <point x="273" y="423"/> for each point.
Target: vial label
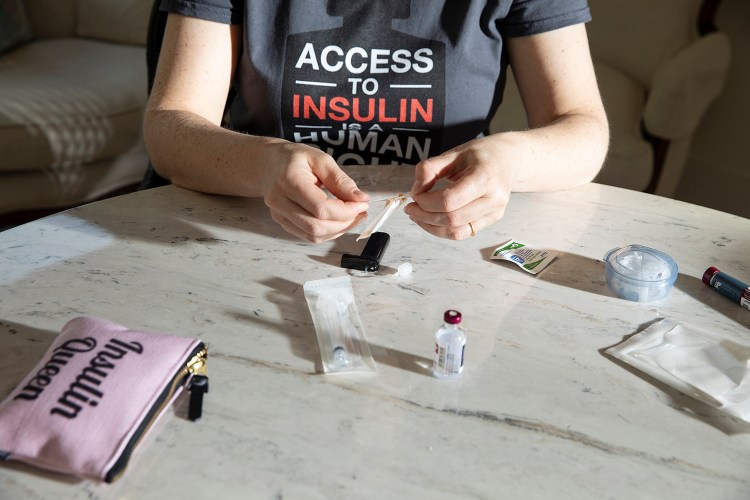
<point x="449" y="359"/>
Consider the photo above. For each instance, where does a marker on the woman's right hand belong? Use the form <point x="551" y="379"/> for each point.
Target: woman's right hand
<point x="292" y="186"/>
<point x="187" y="144"/>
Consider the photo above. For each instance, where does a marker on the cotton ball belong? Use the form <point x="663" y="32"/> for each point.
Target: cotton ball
<point x="405" y="269"/>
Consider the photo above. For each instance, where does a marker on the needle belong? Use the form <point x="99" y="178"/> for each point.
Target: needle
<point x="403" y="197"/>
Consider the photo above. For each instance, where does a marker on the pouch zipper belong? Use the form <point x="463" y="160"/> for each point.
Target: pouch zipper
<point x="193" y="375"/>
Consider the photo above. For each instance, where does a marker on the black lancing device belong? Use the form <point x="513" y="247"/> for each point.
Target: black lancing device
<point x="369" y="260"/>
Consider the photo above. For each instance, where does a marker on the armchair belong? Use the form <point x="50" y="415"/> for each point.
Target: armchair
<point x="659" y="66"/>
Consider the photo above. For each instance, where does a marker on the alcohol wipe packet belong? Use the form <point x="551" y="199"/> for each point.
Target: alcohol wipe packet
<point x="531" y="260"/>
<point x="87" y="403"/>
<point x="701" y="364"/>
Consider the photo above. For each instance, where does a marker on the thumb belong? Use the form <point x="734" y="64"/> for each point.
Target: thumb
<point x="430" y="170"/>
<point x="337" y="181"/>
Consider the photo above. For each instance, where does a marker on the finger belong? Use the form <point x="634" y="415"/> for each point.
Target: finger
<point x="290" y="227"/>
<point x="456" y="218"/>
<point x="468" y="188"/>
<point x="342" y="186"/>
<point x="428" y="171"/>
<point x="336" y="180"/>
<point x="306" y="192"/>
<point x="458" y="232"/>
<point x="311" y="225"/>
<point x="315" y="202"/>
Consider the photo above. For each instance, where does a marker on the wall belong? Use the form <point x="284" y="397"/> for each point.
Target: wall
<point x="717" y="173"/>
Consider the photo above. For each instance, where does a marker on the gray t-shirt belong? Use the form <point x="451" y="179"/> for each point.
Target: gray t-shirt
<point x="375" y="81"/>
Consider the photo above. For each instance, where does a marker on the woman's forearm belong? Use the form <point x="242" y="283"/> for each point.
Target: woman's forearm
<point x="566" y="153"/>
<point x="194" y="153"/>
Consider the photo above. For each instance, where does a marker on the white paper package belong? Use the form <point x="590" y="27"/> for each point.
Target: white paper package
<point x="701" y="364"/>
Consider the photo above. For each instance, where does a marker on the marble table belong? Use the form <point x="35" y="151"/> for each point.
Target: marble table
<point x="539" y="412"/>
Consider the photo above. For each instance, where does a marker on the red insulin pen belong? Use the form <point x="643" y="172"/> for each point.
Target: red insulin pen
<point x="729" y="287"/>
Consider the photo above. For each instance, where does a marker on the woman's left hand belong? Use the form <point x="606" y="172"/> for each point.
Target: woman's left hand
<point x="480" y="175"/>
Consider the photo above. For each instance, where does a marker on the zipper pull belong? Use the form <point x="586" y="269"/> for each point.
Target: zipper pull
<point x="197" y="385"/>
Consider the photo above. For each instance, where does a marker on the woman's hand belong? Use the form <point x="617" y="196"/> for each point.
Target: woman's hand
<point x="292" y="188"/>
<point x="187" y="144"/>
<point x="564" y="146"/>
<point x="480" y="179"/>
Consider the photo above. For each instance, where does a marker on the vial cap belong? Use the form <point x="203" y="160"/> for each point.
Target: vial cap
<point x="452" y="317"/>
<point x="709" y="274"/>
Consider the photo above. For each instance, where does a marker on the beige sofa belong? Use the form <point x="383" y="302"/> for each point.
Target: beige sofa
<point x="71" y="105"/>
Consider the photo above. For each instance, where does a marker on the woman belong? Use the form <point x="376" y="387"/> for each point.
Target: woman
<point x="374" y="82"/>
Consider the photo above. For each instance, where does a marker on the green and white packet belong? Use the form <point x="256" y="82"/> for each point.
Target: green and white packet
<point x="530" y="260"/>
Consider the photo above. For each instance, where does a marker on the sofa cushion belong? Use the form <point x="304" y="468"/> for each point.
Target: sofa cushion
<point x="62" y="188"/>
<point x="59" y="108"/>
<point x="120" y="21"/>
<point x="15" y="27"/>
<point x="629" y="161"/>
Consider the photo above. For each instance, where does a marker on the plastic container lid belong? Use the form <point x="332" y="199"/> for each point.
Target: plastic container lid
<point x="639" y="273"/>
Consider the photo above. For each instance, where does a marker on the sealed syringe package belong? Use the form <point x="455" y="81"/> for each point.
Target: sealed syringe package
<point x="341" y="335"/>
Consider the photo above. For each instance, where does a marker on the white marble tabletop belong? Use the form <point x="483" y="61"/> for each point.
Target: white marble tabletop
<point x="539" y="412"/>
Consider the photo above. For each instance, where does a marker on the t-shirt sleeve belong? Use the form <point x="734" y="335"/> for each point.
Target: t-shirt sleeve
<point x="220" y="11"/>
<point x="531" y="17"/>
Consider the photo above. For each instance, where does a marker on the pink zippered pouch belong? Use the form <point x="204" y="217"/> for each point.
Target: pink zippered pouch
<point x="85" y="406"/>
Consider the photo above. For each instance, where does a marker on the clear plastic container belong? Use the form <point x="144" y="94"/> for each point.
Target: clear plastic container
<point x="639" y="273"/>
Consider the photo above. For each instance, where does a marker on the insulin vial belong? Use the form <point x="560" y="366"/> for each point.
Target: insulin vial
<point x="450" y="340"/>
